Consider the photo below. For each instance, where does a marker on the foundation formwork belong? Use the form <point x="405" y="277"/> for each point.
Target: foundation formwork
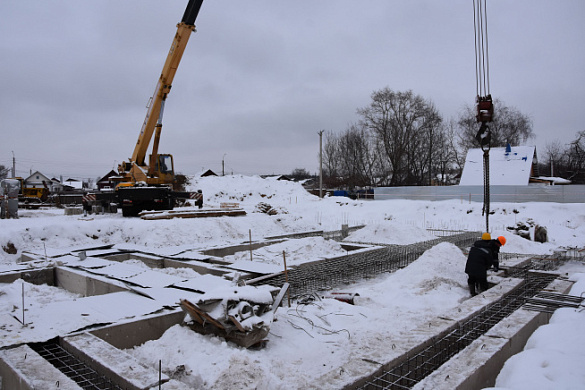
<point x="430" y="364"/>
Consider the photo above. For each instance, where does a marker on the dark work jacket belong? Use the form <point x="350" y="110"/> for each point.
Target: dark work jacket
<point x="482" y="255"/>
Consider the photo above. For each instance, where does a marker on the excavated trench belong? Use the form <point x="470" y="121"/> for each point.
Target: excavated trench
<point x="86" y="377"/>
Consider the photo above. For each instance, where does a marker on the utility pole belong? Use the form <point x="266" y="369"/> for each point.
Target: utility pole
<point x="13" y="165"/>
<point x="321" y="164"/>
<point x="223" y="164"/>
<point x="431" y="156"/>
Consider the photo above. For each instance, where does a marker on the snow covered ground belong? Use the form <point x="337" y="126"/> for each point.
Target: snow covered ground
<point x="313" y="339"/>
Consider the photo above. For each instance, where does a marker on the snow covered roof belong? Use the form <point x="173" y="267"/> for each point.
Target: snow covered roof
<point x="511" y="165"/>
<point x="37" y="178"/>
<point x="106" y="177"/>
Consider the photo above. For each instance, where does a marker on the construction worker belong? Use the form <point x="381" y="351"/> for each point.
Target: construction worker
<point x="482" y="256"/>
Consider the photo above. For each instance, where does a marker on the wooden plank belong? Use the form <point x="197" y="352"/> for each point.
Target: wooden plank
<point x="191" y="308"/>
<point x="237" y="324"/>
<point x="279" y="297"/>
<point x="194" y="214"/>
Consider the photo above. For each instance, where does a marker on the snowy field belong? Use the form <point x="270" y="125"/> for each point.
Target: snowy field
<point x="311" y="342"/>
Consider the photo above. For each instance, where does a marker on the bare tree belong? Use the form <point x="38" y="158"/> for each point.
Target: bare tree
<point x="3" y="172"/>
<point x="445" y="158"/>
<point x="456" y="156"/>
<point x="554" y="158"/>
<point x="300" y="174"/>
<point x="576" y="159"/>
<point x="402" y="124"/>
<point x="331" y="155"/>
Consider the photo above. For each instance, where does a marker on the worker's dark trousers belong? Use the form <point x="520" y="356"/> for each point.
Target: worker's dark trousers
<point x="477" y="284"/>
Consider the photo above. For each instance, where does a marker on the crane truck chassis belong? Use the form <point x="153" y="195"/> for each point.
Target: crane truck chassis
<point x="135" y="199"/>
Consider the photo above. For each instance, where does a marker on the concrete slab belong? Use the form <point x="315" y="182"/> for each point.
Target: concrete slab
<point x="255" y="267"/>
<point x="136" y="275"/>
<point x="204" y="283"/>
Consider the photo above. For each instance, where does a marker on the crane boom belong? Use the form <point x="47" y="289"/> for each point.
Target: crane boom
<point x="164" y="84"/>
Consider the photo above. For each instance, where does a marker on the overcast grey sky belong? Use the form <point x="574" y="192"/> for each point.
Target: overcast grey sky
<point x="260" y="78"/>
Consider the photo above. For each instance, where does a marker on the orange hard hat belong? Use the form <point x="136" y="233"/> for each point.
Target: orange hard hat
<point x="486" y="236"/>
<point x="502" y="240"/>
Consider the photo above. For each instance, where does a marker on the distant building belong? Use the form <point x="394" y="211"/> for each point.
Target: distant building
<point x="105" y="182"/>
<point x="38" y="180"/>
<point x="73" y="184"/>
<point x="512" y="165"/>
<point x="208" y="172"/>
<point x="276" y="177"/>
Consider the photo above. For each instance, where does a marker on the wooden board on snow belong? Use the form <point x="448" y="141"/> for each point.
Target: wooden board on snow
<point x="203" y="213"/>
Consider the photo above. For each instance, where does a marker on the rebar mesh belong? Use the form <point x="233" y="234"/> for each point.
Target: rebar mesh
<point x="547" y="302"/>
<point x="343" y="270"/>
<point x="74" y="368"/>
<point x="415" y="368"/>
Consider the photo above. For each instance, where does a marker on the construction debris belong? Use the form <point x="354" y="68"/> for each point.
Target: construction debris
<point x="266" y="208"/>
<point x="241" y="314"/>
<point x="346" y="297"/>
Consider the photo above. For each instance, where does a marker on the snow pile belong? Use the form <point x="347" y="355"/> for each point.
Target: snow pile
<point x="550" y="360"/>
<point x="553" y="355"/>
<point x="249" y="190"/>
<point x="318" y="335"/>
<point x="390" y="232"/>
<point x="434" y="274"/>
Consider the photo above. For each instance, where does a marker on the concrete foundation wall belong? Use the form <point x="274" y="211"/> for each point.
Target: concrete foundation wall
<point x="131" y="334"/>
<point x="37" y="276"/>
<point x="79" y="282"/>
<point x="197" y="266"/>
<point x="230" y="250"/>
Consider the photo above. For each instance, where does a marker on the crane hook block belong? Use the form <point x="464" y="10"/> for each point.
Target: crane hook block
<point x="485" y="109"/>
<point x="484" y="136"/>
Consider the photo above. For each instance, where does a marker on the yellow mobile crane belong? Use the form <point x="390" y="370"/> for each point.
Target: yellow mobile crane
<point x="147" y="185"/>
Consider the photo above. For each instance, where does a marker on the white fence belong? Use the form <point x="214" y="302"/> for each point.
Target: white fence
<point x="513" y="194"/>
